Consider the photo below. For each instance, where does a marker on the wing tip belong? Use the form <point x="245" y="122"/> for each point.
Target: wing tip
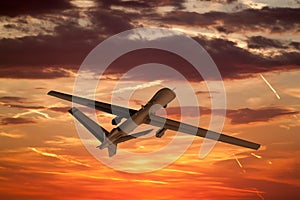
<point x="51" y="92"/>
<point x="257" y="146"/>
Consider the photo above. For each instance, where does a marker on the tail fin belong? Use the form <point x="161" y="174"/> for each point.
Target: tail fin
<point x="112" y="150"/>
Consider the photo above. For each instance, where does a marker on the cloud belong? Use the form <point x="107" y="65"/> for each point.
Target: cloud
<point x="247" y="115"/>
<point x="142" y="5"/>
<point x="296" y="45"/>
<point x="16" y="121"/>
<point x="53" y="155"/>
<point x="205" y="92"/>
<point x="295" y="92"/>
<point x="60" y="109"/>
<point x="235" y="62"/>
<point x="232" y="61"/>
<point x="11" y="135"/>
<point x="237" y="116"/>
<point x="60" y="53"/>
<point x="14" y="8"/>
<point x="257" y="42"/>
<point x="10" y="99"/>
<point x="33" y="72"/>
<point x="24" y="107"/>
<point x="271" y="19"/>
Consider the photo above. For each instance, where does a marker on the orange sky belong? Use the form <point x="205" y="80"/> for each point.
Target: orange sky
<point x="42" y="156"/>
<point x="45" y="158"/>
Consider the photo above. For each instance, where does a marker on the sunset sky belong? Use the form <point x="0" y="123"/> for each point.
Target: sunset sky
<point x="256" y="47"/>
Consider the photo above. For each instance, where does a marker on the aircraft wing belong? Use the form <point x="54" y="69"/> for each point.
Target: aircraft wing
<point x="197" y="131"/>
<point x="105" y="107"/>
<point x="98" y="131"/>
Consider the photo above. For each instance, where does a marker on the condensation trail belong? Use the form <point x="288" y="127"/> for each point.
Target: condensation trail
<point x="53" y="155"/>
<point x="237" y="160"/>
<point x="255" y="155"/>
<point x="30" y="112"/>
<point x="270" y="86"/>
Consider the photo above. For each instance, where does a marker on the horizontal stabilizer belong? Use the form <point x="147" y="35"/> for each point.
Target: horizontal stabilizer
<point x="98" y="131"/>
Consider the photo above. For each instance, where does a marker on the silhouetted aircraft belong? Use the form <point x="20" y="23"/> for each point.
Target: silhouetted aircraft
<point x="134" y="118"/>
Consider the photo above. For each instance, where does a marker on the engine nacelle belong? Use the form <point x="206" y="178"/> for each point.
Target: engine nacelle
<point x="116" y="120"/>
<point x="160" y="132"/>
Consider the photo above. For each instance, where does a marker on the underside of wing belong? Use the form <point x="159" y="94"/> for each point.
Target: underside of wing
<point x="197" y="131"/>
<point x="105" y="107"/>
<point x="98" y="131"/>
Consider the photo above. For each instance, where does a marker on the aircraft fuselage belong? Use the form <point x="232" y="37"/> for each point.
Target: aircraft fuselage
<point x="159" y="100"/>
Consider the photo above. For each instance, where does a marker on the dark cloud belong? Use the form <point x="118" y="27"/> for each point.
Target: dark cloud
<point x="205" y="92"/>
<point x="15" y="121"/>
<point x="272" y="19"/>
<point x="222" y="29"/>
<point x="60" y="109"/>
<point x="47" y="56"/>
<point x="238" y="116"/>
<point x="258" y="42"/>
<point x="34" y="72"/>
<point x="13" y="8"/>
<point x="296" y="45"/>
<point x="69" y="45"/>
<point x="130" y="4"/>
<point x="138" y="57"/>
<point x="247" y="115"/>
<point x="53" y="56"/>
<point x="187" y="111"/>
<point x="221" y="1"/>
<point x="38" y="57"/>
<point x="235" y="62"/>
<point x="110" y="22"/>
<point x="23" y="107"/>
<point x="12" y="99"/>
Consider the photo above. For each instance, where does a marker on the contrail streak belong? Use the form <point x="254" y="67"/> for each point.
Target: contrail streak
<point x="270" y="86"/>
<point x="237" y="160"/>
<point x="58" y="157"/>
<point x="257" y="156"/>
<point x="142" y="86"/>
<point x="30" y="112"/>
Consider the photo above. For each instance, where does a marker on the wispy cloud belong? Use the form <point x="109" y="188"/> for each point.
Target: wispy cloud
<point x="53" y="155"/>
<point x="32" y="111"/>
<point x="14" y="120"/>
<point x="10" y="135"/>
<point x="141" y="86"/>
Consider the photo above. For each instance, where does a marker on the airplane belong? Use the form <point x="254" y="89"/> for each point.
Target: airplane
<point x="134" y="118"/>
